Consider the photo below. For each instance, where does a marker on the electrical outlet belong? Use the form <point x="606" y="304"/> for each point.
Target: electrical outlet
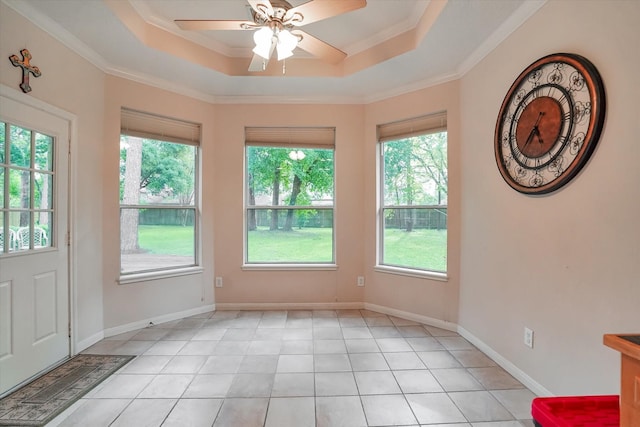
<point x="218" y="282"/>
<point x="360" y="280"/>
<point x="528" y="337"/>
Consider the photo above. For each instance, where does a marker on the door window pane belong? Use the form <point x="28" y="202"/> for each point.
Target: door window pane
<point x="20" y="144"/>
<point x="44" y="152"/>
<point x="43" y="190"/>
<point x="2" y="192"/>
<point x="4" y="235"/>
<point x="26" y="189"/>
<point x="2" y="143"/>
<point x="19" y="188"/>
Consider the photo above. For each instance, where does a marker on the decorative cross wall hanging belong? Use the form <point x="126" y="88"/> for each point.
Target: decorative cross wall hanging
<point x="27" y="68"/>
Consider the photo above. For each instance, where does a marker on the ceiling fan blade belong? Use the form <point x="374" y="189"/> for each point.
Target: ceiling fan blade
<point x="258" y="63"/>
<point x="320" y="49"/>
<point x="196" y="25"/>
<point x="318" y="10"/>
<point x="262" y="8"/>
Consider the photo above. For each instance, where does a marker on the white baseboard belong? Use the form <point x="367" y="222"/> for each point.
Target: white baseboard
<point x="442" y="324"/>
<point x="157" y="320"/>
<point x="88" y="342"/>
<point x="505" y="364"/>
<point x="290" y="306"/>
<point x="516" y="372"/>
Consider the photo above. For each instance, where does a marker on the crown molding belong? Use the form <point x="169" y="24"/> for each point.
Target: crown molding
<point x="519" y="17"/>
<point x="58" y="32"/>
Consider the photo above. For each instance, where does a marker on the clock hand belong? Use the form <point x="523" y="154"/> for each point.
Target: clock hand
<point x="539" y="136"/>
<point x="529" y="138"/>
<point x="534" y="130"/>
<point x="540" y="114"/>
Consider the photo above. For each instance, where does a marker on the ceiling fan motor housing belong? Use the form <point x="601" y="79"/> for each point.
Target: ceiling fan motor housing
<point x="279" y="7"/>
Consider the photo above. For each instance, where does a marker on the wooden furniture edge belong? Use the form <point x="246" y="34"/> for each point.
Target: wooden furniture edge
<point x="628" y="348"/>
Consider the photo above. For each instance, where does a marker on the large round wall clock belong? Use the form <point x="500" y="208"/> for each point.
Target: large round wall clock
<point x="549" y="123"/>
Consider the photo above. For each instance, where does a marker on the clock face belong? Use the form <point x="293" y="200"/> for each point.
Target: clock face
<point x="549" y="123"/>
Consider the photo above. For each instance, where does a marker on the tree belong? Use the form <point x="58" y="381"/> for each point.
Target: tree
<point x="43" y="159"/>
<point x="23" y="158"/>
<point x="287" y="175"/>
<point x="20" y="156"/>
<point x="131" y="193"/>
<point x="265" y="166"/>
<point x="431" y="157"/>
<point x="312" y="174"/>
<point x="415" y="172"/>
<point x="163" y="171"/>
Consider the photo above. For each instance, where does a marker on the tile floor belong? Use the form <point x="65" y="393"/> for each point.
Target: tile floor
<point x="300" y="368"/>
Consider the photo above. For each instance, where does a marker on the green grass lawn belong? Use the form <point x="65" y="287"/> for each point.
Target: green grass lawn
<point x="298" y="245"/>
<point x="425" y="249"/>
<point x="166" y="239"/>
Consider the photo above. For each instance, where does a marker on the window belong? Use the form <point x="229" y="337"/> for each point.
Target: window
<point x="413" y="194"/>
<point x="289" y="195"/>
<point x="158" y="193"/>
<point x="26" y="189"/>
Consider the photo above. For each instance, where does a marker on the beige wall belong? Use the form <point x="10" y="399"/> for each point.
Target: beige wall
<point x="227" y="194"/>
<point x="429" y="298"/>
<point x="571" y="273"/>
<point x="72" y="84"/>
<point x="566" y="265"/>
<point x="133" y="302"/>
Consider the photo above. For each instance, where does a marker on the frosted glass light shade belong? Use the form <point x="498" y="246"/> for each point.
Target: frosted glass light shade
<point x="263" y="39"/>
<point x="286" y="43"/>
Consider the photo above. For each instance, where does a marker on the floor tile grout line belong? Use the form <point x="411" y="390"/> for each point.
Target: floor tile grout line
<point x="340" y="326"/>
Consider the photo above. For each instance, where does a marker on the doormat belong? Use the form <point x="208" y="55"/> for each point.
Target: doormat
<point x="38" y="402"/>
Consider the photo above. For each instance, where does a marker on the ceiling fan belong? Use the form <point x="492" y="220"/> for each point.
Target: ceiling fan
<point x="276" y="24"/>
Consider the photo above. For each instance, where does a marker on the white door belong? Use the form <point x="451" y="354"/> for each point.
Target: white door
<point x="34" y="256"/>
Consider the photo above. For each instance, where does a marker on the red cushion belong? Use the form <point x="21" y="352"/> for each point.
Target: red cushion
<point x="577" y="411"/>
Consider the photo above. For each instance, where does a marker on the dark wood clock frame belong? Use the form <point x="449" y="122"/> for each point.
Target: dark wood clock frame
<point x="549" y="123"/>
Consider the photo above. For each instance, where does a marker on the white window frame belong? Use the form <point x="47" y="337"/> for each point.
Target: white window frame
<point x="288" y="137"/>
<point x="427" y="124"/>
<point x="165" y="129"/>
<point x="13" y="242"/>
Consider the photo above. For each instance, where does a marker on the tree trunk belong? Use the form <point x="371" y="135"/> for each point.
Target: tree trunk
<point x="409" y="224"/>
<point x="410" y="182"/>
<point x="288" y="224"/>
<point x="251" y="214"/>
<point x="275" y="200"/>
<point x="25" y="180"/>
<point x="44" y="200"/>
<point x="129" y="217"/>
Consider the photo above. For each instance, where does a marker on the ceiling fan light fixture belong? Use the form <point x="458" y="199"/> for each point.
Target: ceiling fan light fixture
<point x="286" y="43"/>
<point x="296" y="155"/>
<point x="263" y="39"/>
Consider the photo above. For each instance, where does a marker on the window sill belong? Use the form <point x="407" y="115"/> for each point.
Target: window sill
<point x="433" y="275"/>
<point x="290" y="267"/>
<point x="154" y="275"/>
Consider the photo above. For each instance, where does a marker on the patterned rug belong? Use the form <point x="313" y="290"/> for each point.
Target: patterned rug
<point x="41" y="400"/>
